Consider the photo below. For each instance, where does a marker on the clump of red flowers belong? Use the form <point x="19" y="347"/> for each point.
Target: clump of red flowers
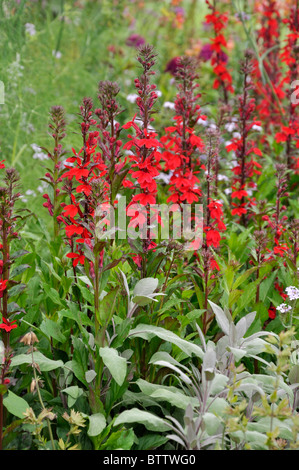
<point x="82" y="171"/>
<point x="181" y="144"/>
<point x="218" y="58"/>
<point x="143" y="152"/>
<point x="268" y="79"/>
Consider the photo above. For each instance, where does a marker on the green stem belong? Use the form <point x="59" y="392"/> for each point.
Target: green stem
<point x="42" y="403"/>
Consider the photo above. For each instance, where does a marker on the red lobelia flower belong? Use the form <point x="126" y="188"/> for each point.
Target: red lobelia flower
<point x="7" y="325"/>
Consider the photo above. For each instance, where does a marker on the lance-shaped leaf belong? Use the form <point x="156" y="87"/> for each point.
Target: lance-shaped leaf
<point x="223" y="318"/>
<point x="149" y="331"/>
<point x="143" y="293"/>
<point x="116" y="364"/>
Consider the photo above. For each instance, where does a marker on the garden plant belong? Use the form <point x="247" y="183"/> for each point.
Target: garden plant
<point x="149" y="225"/>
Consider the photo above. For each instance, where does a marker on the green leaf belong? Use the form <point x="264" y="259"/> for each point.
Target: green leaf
<point x="97" y="424"/>
<point x="116" y="364"/>
<point x="73" y="392"/>
<point x="17" y="406"/>
<point x="149" y="331"/>
<point x="149" y="420"/>
<point x="79" y="317"/>
<point x="17" y="289"/>
<point x="90" y="375"/>
<point x="52" y="330"/>
<point x="143" y="300"/>
<point x="222" y="318"/>
<point x="209" y="364"/>
<point x="19" y="270"/>
<point x="294" y="374"/>
<point x="87" y="294"/>
<point x="107" y="306"/>
<point x="145" y="287"/>
<point x="54" y="295"/>
<point x="45" y="364"/>
<point x="120" y="440"/>
<point x="80" y="360"/>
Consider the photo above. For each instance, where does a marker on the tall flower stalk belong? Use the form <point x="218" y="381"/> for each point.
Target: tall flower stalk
<point x="245" y="147"/>
<point x="53" y="176"/>
<point x="218" y="21"/>
<point x="288" y="133"/>
<point x="11" y="220"/>
<point x="144" y="155"/>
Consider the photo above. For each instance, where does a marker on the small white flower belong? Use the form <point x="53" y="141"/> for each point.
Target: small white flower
<point x="30" y="29"/>
<point x="30" y="192"/>
<point x="230" y="126"/>
<point x="57" y="54"/>
<point x="202" y="122"/>
<point x="293" y="292"/>
<point x="41" y="188"/>
<point x="132" y="97"/>
<point x="237" y="135"/>
<point x="38" y="153"/>
<point x="222" y="177"/>
<point x="168" y="104"/>
<point x="164" y="177"/>
<point x="283" y="308"/>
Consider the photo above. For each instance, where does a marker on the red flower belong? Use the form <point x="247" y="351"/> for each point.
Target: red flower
<point x="7" y="325"/>
<point x="239" y="210"/>
<point x="70" y="210"/>
<point x="213" y="238"/>
<point x="72" y="229"/>
<point x="214" y="265"/>
<point x="272" y="313"/>
<point x="215" y="209"/>
<point x="239" y="194"/>
<point x="77" y="258"/>
<point x="3" y="286"/>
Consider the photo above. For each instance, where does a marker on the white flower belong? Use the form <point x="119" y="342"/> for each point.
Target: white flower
<point x="168" y="104"/>
<point x="237" y="135"/>
<point x="222" y="177"/>
<point x="283" y="308"/>
<point x="57" y="54"/>
<point x="38" y="154"/>
<point x="164" y="177"/>
<point x="30" y="192"/>
<point x="41" y="188"/>
<point x="132" y="97"/>
<point x="293" y="292"/>
<point x="230" y="126"/>
<point x="202" y="122"/>
<point x="30" y="29"/>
